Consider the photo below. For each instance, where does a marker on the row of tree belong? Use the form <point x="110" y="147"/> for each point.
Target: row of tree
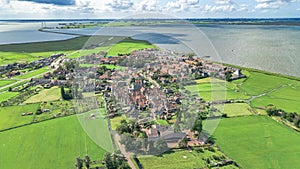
<point x="291" y="117"/>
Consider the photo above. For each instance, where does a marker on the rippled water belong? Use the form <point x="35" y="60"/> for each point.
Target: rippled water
<point x="271" y="48"/>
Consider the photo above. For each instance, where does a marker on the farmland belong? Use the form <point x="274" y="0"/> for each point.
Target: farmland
<point x="97" y="128"/>
<point x="6" y="82"/>
<point x="45" y="95"/>
<point x="50" y="144"/>
<point x="7" y="95"/>
<point x="11" y="116"/>
<point x="259" y="142"/>
<point x="178" y="159"/>
<point x="235" y="109"/>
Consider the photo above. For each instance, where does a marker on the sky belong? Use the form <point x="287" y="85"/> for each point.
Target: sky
<point x="118" y="9"/>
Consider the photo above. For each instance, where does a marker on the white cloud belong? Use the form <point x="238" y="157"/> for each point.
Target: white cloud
<point x="147" y="5"/>
<point x="272" y="4"/>
<point x="182" y="5"/>
<point x="120" y="4"/>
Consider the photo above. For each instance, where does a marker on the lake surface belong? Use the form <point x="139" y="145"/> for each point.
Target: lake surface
<point x="270" y="48"/>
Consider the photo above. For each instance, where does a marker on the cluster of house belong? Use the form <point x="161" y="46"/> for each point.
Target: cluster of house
<point x="14" y="69"/>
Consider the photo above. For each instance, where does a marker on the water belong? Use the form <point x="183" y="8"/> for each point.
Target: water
<point x="270" y="48"/>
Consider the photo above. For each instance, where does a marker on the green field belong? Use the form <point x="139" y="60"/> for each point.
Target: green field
<point x="127" y="46"/>
<point x="33" y="73"/>
<point x="235" y="109"/>
<point x="11" y="116"/>
<point x="97" y="128"/>
<point x="7" y="95"/>
<point x="211" y="89"/>
<point x="259" y="142"/>
<point x="106" y="65"/>
<point x="286" y="98"/>
<point x="177" y="160"/>
<point x="259" y="83"/>
<point x="117" y="121"/>
<point x="50" y="144"/>
<point x="6" y="82"/>
<point x="45" y="95"/>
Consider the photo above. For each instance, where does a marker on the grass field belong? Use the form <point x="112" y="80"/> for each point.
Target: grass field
<point x="177" y="160"/>
<point x="117" y="121"/>
<point x="45" y="95"/>
<point x="127" y="46"/>
<point x="259" y="83"/>
<point x="286" y="98"/>
<point x="97" y="128"/>
<point x="106" y="65"/>
<point x="33" y="73"/>
<point x="259" y="142"/>
<point x="235" y="109"/>
<point x="50" y="144"/>
<point x="7" y="95"/>
<point x="11" y="116"/>
<point x="6" y="82"/>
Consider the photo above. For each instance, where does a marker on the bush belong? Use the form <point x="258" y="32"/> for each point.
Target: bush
<point x="39" y="111"/>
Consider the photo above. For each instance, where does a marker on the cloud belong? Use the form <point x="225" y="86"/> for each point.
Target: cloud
<point x="120" y="4"/>
<point x="272" y="4"/>
<point x="182" y="5"/>
<point x="222" y="6"/>
<point x="148" y="5"/>
<point x="54" y="2"/>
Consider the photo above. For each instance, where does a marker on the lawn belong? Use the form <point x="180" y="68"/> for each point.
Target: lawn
<point x="45" y="95"/>
<point x="11" y="116"/>
<point x="51" y="144"/>
<point x="235" y="109"/>
<point x="97" y="128"/>
<point x="286" y="98"/>
<point x="177" y="160"/>
<point x="7" y="95"/>
<point x="259" y="142"/>
<point x="6" y="82"/>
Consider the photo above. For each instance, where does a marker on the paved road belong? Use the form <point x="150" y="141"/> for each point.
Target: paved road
<point x="124" y="152"/>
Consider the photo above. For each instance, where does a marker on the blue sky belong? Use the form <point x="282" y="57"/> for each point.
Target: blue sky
<point x="68" y="9"/>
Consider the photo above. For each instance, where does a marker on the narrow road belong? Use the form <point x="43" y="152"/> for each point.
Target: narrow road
<point x="124" y="152"/>
<point x="268" y="92"/>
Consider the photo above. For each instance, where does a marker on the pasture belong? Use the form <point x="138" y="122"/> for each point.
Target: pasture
<point x="127" y="46"/>
<point x="180" y="159"/>
<point x="50" y="144"/>
<point x="259" y="83"/>
<point x="7" y="95"/>
<point x="235" y="109"/>
<point x="6" y="82"/>
<point x="45" y="95"/>
<point x="259" y="142"/>
<point x="11" y="116"/>
<point x="94" y="123"/>
<point x="33" y="73"/>
<point x="286" y="98"/>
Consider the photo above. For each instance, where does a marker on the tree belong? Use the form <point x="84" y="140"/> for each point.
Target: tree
<point x="87" y="161"/>
<point x="271" y="110"/>
<point x="197" y="124"/>
<point x="183" y="143"/>
<point x="38" y="111"/>
<point x="161" y="145"/>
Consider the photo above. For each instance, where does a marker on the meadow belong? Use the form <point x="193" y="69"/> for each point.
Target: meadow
<point x="7" y="95"/>
<point x="286" y="98"/>
<point x="258" y="142"/>
<point x="180" y="159"/>
<point x="33" y="73"/>
<point x="6" y="82"/>
<point x="97" y="128"/>
<point x="235" y="109"/>
<point x="11" y="116"/>
<point x="50" y="144"/>
<point x="51" y="94"/>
